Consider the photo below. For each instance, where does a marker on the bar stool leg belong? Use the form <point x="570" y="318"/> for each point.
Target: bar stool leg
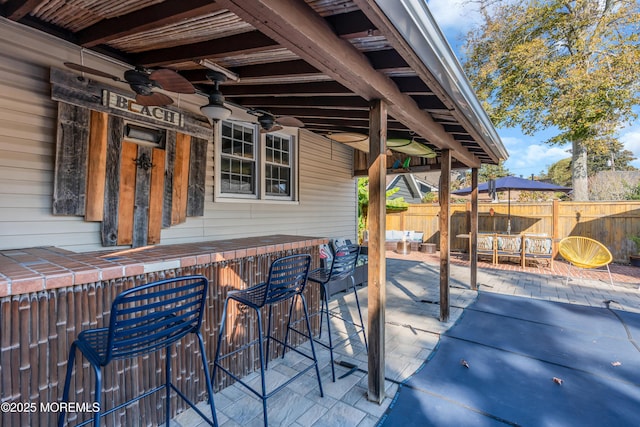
<point x="326" y="306"/>
<point x="262" y="366"/>
<point x="67" y="383"/>
<point x="313" y="350"/>
<point x="286" y="334"/>
<point x="355" y="293"/>
<point x="216" y="360"/>
<point x="269" y="339"/>
<point x="167" y="384"/>
<point x="207" y="378"/>
<point x="97" y="414"/>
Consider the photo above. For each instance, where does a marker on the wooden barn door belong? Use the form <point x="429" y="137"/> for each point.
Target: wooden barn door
<point x="140" y="195"/>
<point x="133" y="189"/>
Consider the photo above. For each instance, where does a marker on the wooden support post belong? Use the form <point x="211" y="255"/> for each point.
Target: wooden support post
<point x="377" y="261"/>
<point x="473" y="234"/>
<point x="445" y="228"/>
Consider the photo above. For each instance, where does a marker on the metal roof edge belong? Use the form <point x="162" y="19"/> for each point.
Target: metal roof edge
<point x="413" y="20"/>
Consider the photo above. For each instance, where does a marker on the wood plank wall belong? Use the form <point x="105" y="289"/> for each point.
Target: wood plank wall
<point x="36" y="331"/>
<point x="608" y="222"/>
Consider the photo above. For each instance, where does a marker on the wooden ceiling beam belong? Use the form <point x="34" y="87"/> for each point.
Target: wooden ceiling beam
<point x="329" y="88"/>
<point x="245" y="43"/>
<point x="15" y="10"/>
<point x="311" y="112"/>
<point x="363" y="126"/>
<point x="338" y="103"/>
<point x="295" y="26"/>
<point x="157" y="15"/>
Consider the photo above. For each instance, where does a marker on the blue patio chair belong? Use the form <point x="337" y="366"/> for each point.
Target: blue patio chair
<point x="341" y="268"/>
<point x="286" y="281"/>
<point x="143" y="320"/>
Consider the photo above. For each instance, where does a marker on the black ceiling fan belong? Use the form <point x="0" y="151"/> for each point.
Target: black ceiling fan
<point x="270" y="122"/>
<point x="143" y="81"/>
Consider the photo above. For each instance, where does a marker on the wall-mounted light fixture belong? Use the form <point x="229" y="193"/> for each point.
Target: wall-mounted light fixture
<point x="145" y="135"/>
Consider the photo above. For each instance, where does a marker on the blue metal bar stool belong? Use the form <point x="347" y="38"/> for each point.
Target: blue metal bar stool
<point x="342" y="267"/>
<point x="286" y="281"/>
<point x="143" y="320"/>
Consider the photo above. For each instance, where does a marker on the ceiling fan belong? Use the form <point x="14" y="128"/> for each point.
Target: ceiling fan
<point x="143" y="81"/>
<point x="270" y="122"/>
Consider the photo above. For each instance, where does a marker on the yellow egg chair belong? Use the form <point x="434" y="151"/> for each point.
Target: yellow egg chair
<point x="583" y="252"/>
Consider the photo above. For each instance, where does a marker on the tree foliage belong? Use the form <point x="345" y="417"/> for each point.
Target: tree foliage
<point x="560" y="172"/>
<point x="396" y="204"/>
<point x="566" y="65"/>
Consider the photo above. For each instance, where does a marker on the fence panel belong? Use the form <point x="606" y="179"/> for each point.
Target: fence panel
<point x="608" y="222"/>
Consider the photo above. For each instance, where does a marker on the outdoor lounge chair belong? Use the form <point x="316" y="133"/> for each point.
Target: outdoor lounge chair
<point x="583" y="252"/>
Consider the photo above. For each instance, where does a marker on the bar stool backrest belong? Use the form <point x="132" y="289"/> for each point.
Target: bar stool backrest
<point x="150" y="317"/>
<point x="344" y="261"/>
<point x="287" y="277"/>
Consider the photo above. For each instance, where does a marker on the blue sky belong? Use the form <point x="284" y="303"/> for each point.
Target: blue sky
<point x="527" y="154"/>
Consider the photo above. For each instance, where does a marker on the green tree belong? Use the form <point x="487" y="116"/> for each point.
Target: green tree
<point x="488" y="172"/>
<point x="566" y="65"/>
<point x="613" y="158"/>
<point x="560" y="172"/>
<point x="392" y="204"/>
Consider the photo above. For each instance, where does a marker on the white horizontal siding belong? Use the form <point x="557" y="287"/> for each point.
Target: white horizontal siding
<point x="327" y="190"/>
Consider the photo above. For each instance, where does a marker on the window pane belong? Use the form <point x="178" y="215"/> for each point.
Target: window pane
<point x="226" y="129"/>
<point x="278" y="180"/>
<point x="277" y="150"/>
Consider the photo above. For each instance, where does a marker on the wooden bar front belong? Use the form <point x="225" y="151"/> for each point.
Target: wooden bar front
<point x="49" y="295"/>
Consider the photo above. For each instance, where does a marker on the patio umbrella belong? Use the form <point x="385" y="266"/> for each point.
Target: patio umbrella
<point x="509" y="183"/>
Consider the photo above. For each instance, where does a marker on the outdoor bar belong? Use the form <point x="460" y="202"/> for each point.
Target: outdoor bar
<point x="150" y="140"/>
<point x="51" y="294"/>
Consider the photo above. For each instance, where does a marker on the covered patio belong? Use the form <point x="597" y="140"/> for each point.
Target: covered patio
<point x="99" y="163"/>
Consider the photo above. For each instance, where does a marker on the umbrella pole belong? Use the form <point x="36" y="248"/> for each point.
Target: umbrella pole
<point x="509" y="211"/>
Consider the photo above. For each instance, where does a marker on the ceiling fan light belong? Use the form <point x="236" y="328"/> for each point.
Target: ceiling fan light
<point x="215" y="110"/>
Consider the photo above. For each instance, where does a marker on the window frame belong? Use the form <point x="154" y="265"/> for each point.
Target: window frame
<point x="260" y="155"/>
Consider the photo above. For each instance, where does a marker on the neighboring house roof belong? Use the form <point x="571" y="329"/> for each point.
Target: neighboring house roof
<point x="321" y="61"/>
<point x="411" y="188"/>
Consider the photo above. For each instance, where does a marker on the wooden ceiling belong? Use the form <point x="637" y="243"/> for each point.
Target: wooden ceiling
<point x="320" y="61"/>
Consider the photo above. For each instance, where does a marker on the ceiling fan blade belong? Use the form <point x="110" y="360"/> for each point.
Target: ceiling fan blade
<point x="171" y="81"/>
<point x="154" y="99"/>
<point x="89" y="70"/>
<point x="289" y="121"/>
<point x="274" y="128"/>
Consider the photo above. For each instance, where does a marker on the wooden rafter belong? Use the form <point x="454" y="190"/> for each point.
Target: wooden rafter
<point x="296" y="27"/>
<point x="165" y="13"/>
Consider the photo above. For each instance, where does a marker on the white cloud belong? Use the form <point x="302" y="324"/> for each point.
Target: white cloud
<point x="631" y="141"/>
<point x="527" y="157"/>
<point x="453" y="16"/>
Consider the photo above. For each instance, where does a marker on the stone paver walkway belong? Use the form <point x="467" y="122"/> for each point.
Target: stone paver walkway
<point x="412" y="332"/>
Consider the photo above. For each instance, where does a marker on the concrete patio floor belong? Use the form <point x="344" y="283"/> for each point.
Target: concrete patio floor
<point x="412" y="332"/>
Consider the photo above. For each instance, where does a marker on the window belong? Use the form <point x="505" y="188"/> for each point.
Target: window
<point x="254" y="166"/>
<point x="237" y="159"/>
<point x="277" y="166"/>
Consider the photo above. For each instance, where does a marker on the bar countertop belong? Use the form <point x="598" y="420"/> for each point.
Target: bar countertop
<point x="35" y="269"/>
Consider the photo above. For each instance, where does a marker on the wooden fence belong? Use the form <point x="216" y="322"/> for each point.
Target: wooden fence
<point x="608" y="222"/>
